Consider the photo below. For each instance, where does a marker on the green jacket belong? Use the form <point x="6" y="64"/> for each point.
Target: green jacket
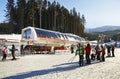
<point x="80" y="50"/>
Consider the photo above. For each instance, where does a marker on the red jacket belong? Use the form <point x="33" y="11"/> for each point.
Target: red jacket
<point x="3" y="51"/>
<point x="88" y="50"/>
<point x="103" y="50"/>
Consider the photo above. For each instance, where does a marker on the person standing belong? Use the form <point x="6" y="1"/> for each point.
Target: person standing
<point x="72" y="49"/>
<point x="113" y="48"/>
<point x="108" y="50"/>
<point x="4" y="53"/>
<point x="80" y="52"/>
<point x="13" y="52"/>
<point x="103" y="53"/>
<point x="98" y="51"/>
<point x="21" y="49"/>
<point x="88" y="51"/>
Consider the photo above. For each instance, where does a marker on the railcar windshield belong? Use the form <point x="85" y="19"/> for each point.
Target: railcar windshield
<point x="28" y="34"/>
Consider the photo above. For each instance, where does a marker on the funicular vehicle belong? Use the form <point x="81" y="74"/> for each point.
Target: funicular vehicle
<point x="40" y="40"/>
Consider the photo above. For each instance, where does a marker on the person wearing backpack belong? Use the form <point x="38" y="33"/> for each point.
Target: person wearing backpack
<point x="80" y="52"/>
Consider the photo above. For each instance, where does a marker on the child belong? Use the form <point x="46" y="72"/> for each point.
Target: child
<point x="93" y="55"/>
<point x="4" y="53"/>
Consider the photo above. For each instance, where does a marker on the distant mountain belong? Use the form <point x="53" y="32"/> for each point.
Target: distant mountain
<point x="102" y="29"/>
<point x="108" y="33"/>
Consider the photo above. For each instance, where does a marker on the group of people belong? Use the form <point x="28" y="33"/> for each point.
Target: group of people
<point x="4" y="52"/>
<point x="81" y="51"/>
<point x="98" y="54"/>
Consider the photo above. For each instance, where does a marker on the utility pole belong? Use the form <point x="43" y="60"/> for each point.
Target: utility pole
<point x="40" y="8"/>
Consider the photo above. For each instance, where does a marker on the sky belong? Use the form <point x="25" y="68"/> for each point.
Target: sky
<point x="2" y="8"/>
<point x="97" y="12"/>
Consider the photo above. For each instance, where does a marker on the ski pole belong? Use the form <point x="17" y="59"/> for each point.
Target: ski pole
<point x="71" y="59"/>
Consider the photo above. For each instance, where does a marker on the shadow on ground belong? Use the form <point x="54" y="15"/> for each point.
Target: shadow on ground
<point x="56" y="69"/>
<point x="71" y="66"/>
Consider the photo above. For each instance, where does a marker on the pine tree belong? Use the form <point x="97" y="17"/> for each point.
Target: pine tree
<point x="10" y="13"/>
<point x="21" y="4"/>
<point x="54" y="16"/>
<point x="30" y="12"/>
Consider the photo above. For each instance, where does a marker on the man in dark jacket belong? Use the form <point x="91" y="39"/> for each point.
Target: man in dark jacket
<point x="13" y="52"/>
<point x="113" y="48"/>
